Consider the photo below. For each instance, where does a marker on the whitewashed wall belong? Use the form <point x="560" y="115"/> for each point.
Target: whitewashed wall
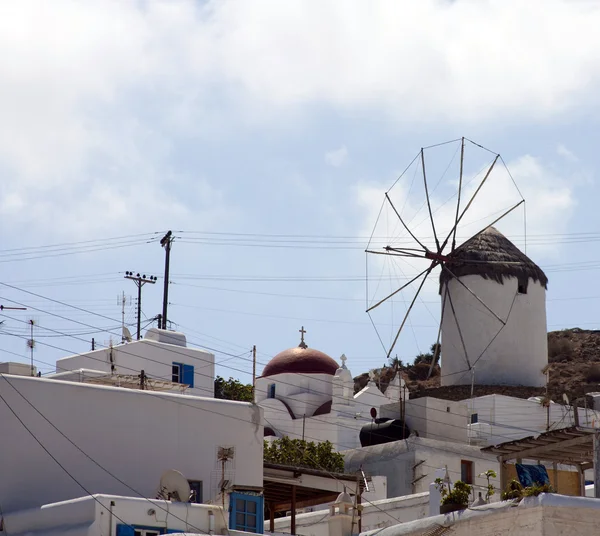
<point x="519" y="350"/>
<point x="90" y="516"/>
<point x="508" y="418"/>
<point x="136" y="435"/>
<point x="438" y="419"/>
<point x="303" y="393"/>
<point x="410" y="465"/>
<point x="376" y="515"/>
<point x="155" y="359"/>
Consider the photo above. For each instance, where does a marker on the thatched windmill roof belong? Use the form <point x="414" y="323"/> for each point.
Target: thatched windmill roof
<point x="492" y="256"/>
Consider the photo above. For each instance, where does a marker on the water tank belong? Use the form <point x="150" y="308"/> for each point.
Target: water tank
<point x="383" y="431"/>
<point x="166" y="337"/>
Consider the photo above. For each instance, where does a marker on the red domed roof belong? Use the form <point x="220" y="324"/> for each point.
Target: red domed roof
<point x="301" y="360"/>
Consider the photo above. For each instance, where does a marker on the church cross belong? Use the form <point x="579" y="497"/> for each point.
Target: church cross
<point x="302" y="332"/>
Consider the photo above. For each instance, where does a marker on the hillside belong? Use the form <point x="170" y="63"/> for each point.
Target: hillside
<point x="573" y="355"/>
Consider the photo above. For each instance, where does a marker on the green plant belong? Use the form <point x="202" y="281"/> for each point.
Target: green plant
<point x="489" y="474"/>
<point x="459" y="494"/>
<point x="233" y="389"/>
<point x="514" y="490"/>
<point x="536" y="489"/>
<point x="301" y="453"/>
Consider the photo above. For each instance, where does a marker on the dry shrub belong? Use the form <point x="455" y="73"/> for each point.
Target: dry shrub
<point x="559" y="347"/>
<point x="419" y="372"/>
<point x="593" y="373"/>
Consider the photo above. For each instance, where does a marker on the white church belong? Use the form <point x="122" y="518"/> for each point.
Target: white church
<point x="306" y="394"/>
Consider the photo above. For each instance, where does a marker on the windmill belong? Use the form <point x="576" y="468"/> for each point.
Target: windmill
<point x="455" y="193"/>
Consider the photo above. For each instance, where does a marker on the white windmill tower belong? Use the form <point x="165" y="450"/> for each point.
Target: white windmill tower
<point x="492" y="325"/>
<point x="494" y="318"/>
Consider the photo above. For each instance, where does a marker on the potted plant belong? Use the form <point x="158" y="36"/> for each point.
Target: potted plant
<point x="453" y="498"/>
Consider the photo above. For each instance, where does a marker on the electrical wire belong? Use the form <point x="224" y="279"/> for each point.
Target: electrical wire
<point x="87" y="492"/>
<point x="5" y="377"/>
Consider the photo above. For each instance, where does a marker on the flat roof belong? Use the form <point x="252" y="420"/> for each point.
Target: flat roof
<point x="570" y="446"/>
<point x="311" y="486"/>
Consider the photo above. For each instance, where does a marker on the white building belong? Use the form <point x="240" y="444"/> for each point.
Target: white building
<point x="494" y="315"/>
<point x="162" y="355"/>
<point x="102" y="515"/>
<point x="545" y="515"/>
<point x="61" y="440"/>
<point x="305" y="394"/>
<point x="410" y="465"/>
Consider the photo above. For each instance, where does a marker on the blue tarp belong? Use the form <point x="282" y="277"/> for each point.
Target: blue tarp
<point x="532" y="474"/>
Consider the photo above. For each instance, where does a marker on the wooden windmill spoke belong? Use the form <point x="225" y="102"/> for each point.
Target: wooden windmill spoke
<point x="439" y="335"/>
<point x="437" y="242"/>
<point x="453" y="231"/>
<point x="462" y="340"/>
<point x="401" y="288"/>
<point x="426" y="272"/>
<point x="444" y="267"/>
<point x="500" y="217"/>
<point x="460" y="177"/>
<point x="404" y="224"/>
<point x="393" y="252"/>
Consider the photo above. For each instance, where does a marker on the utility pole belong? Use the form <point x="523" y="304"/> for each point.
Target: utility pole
<point x="253" y="368"/>
<point x="140" y="281"/>
<point x="166" y="242"/>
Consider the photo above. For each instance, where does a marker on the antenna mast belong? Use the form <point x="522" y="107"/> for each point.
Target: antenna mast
<point x="140" y="281"/>
<point x="31" y="343"/>
<point x="166" y="242"/>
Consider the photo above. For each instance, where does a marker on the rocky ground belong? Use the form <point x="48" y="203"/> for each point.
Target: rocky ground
<point x="573" y="355"/>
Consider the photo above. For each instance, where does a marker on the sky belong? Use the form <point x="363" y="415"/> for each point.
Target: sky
<point x="265" y="135"/>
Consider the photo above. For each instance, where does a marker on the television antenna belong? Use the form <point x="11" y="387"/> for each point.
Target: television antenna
<point x="224" y="454"/>
<point x="419" y="228"/>
<point x="31" y="342"/>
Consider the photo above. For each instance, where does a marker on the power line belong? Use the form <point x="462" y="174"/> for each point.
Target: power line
<point x="91" y="458"/>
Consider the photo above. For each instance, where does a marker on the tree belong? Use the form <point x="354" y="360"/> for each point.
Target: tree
<point x="233" y="389"/>
<point x="435" y="350"/>
<point x="300" y="453"/>
<point x="396" y="363"/>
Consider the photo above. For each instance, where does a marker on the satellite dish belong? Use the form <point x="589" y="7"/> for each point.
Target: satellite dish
<point x="174" y="487"/>
<point x="127" y="334"/>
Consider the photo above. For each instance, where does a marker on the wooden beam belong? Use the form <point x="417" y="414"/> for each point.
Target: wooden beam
<point x="286" y="505"/>
<point x="539" y="451"/>
<point x="293" y="526"/>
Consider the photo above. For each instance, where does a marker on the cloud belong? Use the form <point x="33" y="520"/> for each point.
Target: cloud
<point x="95" y="94"/>
<point x="550" y="204"/>
<point x="337" y="157"/>
<point x="567" y="154"/>
<point x="547" y="194"/>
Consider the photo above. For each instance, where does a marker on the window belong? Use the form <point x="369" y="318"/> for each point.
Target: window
<point x="196" y="488"/>
<point x="466" y="471"/>
<point x="181" y="373"/>
<point x="176" y="373"/>
<point x="522" y="285"/>
<point x="474" y="418"/>
<point x="136" y="530"/>
<point x="271" y="391"/>
<point x="246" y="512"/>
